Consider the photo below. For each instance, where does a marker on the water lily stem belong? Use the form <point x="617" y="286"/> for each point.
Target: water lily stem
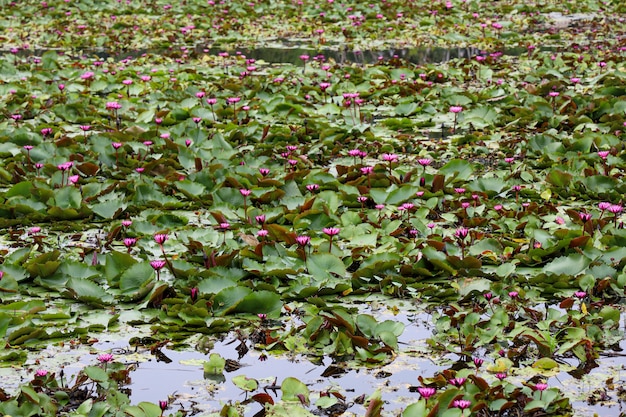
<point x="169" y="264"/>
<point x="245" y="210"/>
<point x="213" y="114"/>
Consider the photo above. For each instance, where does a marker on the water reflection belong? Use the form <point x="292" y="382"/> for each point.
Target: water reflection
<point x="413" y="55"/>
<point x="183" y="378"/>
<point x="276" y="55"/>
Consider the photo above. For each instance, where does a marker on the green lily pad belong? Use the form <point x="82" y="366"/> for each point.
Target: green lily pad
<point x="293" y="390"/>
<point x="215" y="365"/>
<point x="245" y="383"/>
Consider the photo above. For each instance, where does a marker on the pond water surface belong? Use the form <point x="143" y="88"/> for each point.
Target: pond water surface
<point x="183" y="378"/>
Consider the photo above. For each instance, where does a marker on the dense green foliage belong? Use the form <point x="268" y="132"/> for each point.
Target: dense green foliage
<point x="149" y="182"/>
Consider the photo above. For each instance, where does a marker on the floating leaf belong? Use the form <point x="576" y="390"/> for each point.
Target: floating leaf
<point x="259" y="302"/>
<point x="228" y="299"/>
<point x="293" y="390"/>
<point x="143" y="409"/>
<point x="326" y="402"/>
<point x="96" y="373"/>
<point x="87" y="291"/>
<point x="245" y="383"/>
<point x="67" y="198"/>
<point x="457" y="170"/>
<point x="109" y="209"/>
<point x="215" y="285"/>
<point x="406" y="109"/>
<point x="134" y="281"/>
<point x="545" y="364"/>
<point x="559" y="178"/>
<point x="481" y="117"/>
<point x="215" y="365"/>
<point x="321" y="265"/>
<point x="505" y="269"/>
<point x="572" y="264"/>
<point x="263" y="398"/>
<point x="417" y="409"/>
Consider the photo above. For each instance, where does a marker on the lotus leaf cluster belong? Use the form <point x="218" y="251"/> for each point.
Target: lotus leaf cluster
<point x="267" y="170"/>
